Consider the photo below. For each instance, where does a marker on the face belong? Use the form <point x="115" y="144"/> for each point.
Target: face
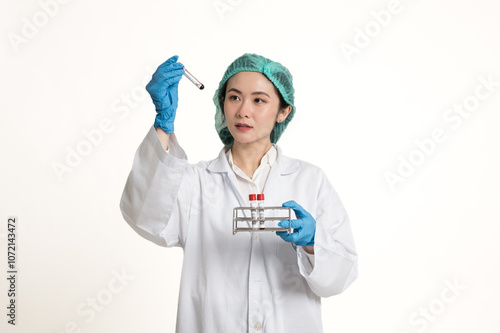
<point x="251" y="108"/>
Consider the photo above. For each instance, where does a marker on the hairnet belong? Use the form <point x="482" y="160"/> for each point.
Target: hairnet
<point x="275" y="72"/>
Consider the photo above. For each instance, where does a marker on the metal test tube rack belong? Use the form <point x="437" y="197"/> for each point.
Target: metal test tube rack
<point x="237" y="218"/>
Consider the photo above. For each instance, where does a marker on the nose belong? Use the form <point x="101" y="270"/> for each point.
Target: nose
<point x="245" y="110"/>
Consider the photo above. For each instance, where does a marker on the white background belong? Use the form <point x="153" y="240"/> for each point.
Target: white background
<point x="357" y="116"/>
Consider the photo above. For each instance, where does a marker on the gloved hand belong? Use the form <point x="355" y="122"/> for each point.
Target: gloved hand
<point x="304" y="225"/>
<point x="163" y="89"/>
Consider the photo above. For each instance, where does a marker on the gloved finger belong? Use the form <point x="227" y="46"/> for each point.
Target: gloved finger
<point x="161" y="76"/>
<point x="296" y="224"/>
<point x="299" y="211"/>
<point x="169" y="61"/>
<point x="165" y="68"/>
<point x="291" y="238"/>
<point x="172" y="78"/>
<point x="169" y="68"/>
<point x="163" y="82"/>
<point x="282" y="235"/>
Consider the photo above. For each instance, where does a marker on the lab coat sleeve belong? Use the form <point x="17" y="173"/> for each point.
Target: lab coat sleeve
<point x="333" y="267"/>
<point x="153" y="203"/>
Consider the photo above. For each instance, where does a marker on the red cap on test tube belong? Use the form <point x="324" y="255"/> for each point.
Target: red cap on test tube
<point x="252" y="197"/>
<point x="260" y="197"/>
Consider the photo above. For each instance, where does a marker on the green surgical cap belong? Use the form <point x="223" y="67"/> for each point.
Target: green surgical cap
<point x="274" y="71"/>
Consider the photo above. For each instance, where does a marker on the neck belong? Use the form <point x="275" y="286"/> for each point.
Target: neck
<point x="247" y="157"/>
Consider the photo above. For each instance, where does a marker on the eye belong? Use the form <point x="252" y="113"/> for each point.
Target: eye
<point x="234" y="98"/>
<point x="259" y="101"/>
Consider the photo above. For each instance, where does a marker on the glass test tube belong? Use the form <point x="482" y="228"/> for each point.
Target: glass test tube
<point x="193" y="79"/>
<point x="260" y="205"/>
<point x="253" y="205"/>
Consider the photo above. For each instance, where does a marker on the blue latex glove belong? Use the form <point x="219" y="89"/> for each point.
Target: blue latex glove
<point x="304" y="226"/>
<point x="163" y="89"/>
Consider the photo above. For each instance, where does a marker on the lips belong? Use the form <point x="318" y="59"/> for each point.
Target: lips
<point x="243" y="127"/>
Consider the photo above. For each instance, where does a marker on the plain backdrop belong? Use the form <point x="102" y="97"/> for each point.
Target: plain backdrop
<point x="379" y="88"/>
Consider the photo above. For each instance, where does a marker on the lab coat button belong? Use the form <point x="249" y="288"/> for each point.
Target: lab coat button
<point x="257" y="326"/>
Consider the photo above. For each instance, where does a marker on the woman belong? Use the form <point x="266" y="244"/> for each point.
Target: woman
<point x="248" y="282"/>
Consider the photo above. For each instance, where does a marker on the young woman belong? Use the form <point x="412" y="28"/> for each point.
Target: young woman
<point x="248" y="282"/>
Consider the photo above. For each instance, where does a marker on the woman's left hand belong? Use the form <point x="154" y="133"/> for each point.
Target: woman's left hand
<point x="304" y="226"/>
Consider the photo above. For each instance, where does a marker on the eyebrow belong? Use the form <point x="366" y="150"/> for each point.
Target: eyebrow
<point x="254" y="93"/>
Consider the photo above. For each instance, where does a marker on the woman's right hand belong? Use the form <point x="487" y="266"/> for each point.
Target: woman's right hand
<point x="163" y="89"/>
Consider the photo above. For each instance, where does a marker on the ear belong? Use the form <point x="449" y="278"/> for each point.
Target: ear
<point x="283" y="113"/>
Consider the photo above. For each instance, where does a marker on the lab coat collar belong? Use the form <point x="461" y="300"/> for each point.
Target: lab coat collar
<point x="285" y="164"/>
<point x="220" y="164"/>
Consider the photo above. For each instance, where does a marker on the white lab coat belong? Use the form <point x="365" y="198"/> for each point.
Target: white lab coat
<point x="244" y="282"/>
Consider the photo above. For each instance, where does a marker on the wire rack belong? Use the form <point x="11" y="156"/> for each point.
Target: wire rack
<point x="240" y="213"/>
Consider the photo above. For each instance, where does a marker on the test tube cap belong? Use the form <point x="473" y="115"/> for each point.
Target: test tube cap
<point x="252" y="197"/>
<point x="260" y="196"/>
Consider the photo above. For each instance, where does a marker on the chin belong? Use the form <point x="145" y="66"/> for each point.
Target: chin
<point x="243" y="141"/>
<point x="245" y="138"/>
<point x="241" y="138"/>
